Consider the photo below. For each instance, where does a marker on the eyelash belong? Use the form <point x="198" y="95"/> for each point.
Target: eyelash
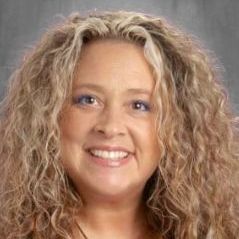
<point x="90" y="100"/>
<point x="79" y="99"/>
<point x="146" y="106"/>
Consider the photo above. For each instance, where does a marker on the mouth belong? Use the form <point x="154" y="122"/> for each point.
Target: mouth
<point x="109" y="157"/>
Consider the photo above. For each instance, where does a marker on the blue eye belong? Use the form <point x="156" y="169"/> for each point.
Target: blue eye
<point x="84" y="100"/>
<point x="141" y="105"/>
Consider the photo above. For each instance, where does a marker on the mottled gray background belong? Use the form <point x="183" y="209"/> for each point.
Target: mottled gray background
<point x="214" y="22"/>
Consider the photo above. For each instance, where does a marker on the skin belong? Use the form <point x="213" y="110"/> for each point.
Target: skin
<point x="111" y="106"/>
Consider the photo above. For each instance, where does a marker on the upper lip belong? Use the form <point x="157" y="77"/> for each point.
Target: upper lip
<point x="109" y="148"/>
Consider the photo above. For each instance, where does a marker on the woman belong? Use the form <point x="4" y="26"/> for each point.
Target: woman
<point x="115" y="126"/>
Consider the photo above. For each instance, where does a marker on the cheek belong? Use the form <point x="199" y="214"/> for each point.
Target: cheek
<point x="152" y="147"/>
<point x="146" y="143"/>
<point x="73" y="126"/>
<point x="147" y="135"/>
<point x="73" y="133"/>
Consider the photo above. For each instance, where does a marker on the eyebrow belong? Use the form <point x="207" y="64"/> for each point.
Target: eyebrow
<point x="99" y="88"/>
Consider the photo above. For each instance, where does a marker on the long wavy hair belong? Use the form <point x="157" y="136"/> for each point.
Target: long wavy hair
<point x="193" y="192"/>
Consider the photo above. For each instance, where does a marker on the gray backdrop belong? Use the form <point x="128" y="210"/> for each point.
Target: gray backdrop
<point x="214" y="22"/>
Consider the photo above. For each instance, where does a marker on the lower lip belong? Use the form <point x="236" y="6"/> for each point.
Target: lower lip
<point x="110" y="163"/>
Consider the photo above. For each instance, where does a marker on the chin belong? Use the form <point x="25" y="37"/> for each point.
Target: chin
<point x="117" y="191"/>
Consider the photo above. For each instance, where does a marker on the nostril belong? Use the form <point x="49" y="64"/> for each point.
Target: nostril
<point x="109" y="129"/>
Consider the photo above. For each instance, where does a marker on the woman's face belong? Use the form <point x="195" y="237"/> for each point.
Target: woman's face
<point x="109" y="141"/>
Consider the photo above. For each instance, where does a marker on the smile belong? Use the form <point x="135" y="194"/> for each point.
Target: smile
<point x="109" y="155"/>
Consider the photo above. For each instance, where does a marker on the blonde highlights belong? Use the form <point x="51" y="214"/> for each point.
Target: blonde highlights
<point x="193" y="192"/>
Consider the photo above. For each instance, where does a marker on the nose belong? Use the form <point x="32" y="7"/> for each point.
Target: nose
<point x="110" y="123"/>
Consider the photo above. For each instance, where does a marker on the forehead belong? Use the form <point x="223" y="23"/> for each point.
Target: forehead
<point x="116" y="61"/>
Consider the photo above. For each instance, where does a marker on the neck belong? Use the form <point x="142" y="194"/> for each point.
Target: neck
<point x="111" y="218"/>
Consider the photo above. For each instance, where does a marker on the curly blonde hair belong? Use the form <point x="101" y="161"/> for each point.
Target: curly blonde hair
<point x="191" y="195"/>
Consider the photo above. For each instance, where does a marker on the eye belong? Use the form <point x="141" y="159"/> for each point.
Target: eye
<point x="85" y="100"/>
<point x="141" y="105"/>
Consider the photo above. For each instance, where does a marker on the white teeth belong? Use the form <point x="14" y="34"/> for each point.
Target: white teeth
<point x="112" y="155"/>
